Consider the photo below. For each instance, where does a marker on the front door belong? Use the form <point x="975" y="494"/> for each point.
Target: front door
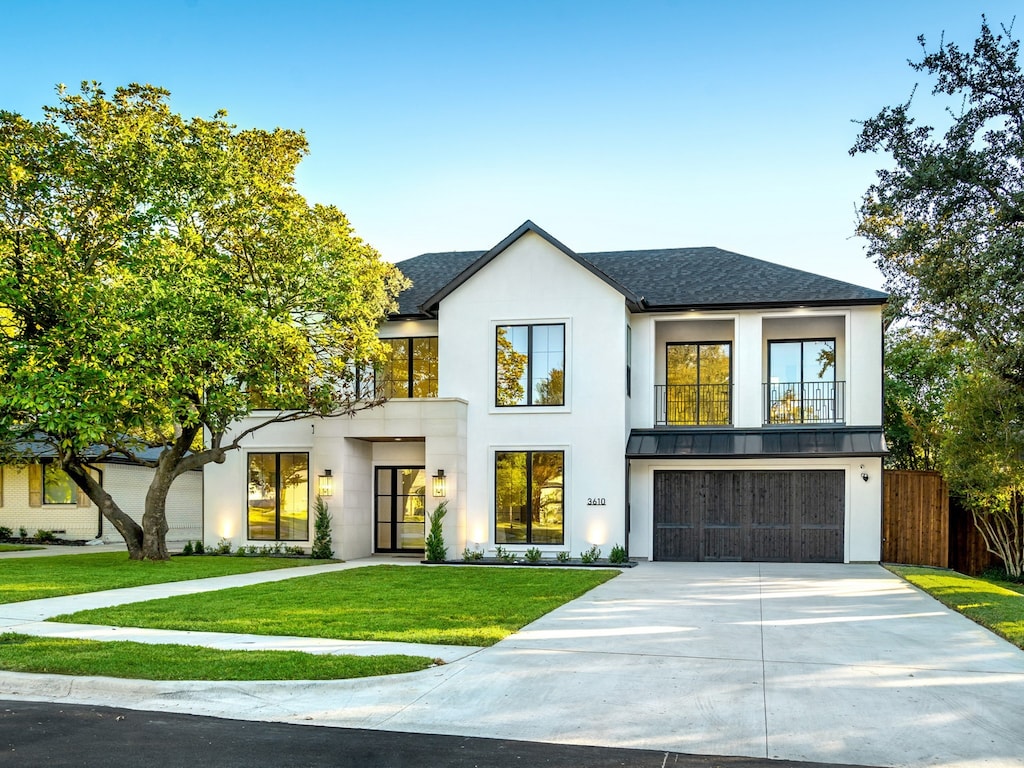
<point x="400" y="495"/>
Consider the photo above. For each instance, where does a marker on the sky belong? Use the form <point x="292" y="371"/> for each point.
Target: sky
<point x="439" y="126"/>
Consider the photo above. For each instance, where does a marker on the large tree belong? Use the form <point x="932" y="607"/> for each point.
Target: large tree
<point x="162" y="278"/>
<point x="945" y="223"/>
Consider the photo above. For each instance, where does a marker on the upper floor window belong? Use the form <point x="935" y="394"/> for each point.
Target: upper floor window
<point x="802" y="384"/>
<point x="698" y="384"/>
<point x="411" y="368"/>
<point x="530" y="365"/>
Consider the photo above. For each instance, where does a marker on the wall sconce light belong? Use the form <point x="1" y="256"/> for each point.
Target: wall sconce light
<point x="440" y="484"/>
<point x="325" y="484"/>
<point x="863" y="474"/>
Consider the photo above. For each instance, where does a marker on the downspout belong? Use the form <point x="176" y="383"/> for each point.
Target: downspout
<point x="627" y="507"/>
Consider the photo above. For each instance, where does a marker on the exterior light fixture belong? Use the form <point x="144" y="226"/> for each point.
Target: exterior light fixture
<point x="863" y="474"/>
<point x="440" y="484"/>
<point x="325" y="484"/>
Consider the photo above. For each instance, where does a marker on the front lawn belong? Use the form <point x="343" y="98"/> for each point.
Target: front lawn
<point x="61" y="656"/>
<point x="414" y="604"/>
<point x="992" y="606"/>
<point x="16" y="547"/>
<point x="30" y="578"/>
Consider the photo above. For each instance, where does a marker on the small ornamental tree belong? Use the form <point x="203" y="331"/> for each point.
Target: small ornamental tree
<point x="322" y="545"/>
<point x="160" y="279"/>
<point x="436" y="551"/>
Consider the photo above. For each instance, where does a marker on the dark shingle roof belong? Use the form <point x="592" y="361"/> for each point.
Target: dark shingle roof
<point x="665" y="279"/>
<point x="756" y="443"/>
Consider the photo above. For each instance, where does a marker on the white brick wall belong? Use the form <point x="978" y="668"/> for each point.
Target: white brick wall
<point x="127" y="484"/>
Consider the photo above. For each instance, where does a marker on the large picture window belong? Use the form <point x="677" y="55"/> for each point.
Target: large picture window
<point x="698" y="387"/>
<point x="278" y="496"/>
<point x="528" y="500"/>
<point x="58" y="487"/>
<point x="802" y="382"/>
<point x="411" y="369"/>
<point x="530" y="365"/>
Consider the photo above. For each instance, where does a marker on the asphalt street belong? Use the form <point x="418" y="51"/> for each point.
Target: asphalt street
<point x="56" y="735"/>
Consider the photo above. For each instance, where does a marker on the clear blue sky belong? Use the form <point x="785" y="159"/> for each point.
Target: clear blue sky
<point x="613" y="125"/>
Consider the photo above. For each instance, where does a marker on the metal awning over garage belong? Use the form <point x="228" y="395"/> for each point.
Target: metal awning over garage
<point x="755" y="443"/>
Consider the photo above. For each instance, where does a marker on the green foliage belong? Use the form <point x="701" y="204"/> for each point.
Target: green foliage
<point x="563" y="557"/>
<point x="591" y="555"/>
<point x="618" y="555"/>
<point x="504" y="555"/>
<point x="946" y="222"/>
<point x="22" y="531"/>
<point x="436" y="551"/>
<point x="457" y="605"/>
<point x="472" y="555"/>
<point x="65" y="656"/>
<point x="5" y="532"/>
<point x="200" y="548"/>
<point x="44" y="535"/>
<point x="223" y="547"/>
<point x="920" y="371"/>
<point x="161" y="278"/>
<point x="322" y="544"/>
<point x="187" y="549"/>
<point x="533" y="555"/>
<point x="983" y="461"/>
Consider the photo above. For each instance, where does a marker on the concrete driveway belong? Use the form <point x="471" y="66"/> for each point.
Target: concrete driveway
<point x="828" y="663"/>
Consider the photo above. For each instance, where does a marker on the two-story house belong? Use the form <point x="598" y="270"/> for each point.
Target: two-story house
<point x="690" y="404"/>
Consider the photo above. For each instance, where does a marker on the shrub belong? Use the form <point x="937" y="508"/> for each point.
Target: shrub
<point x="436" y="551"/>
<point x="200" y="549"/>
<point x="591" y="555"/>
<point x="223" y="547"/>
<point x="322" y="544"/>
<point x="187" y="549"/>
<point x="470" y="555"/>
<point x="22" y="532"/>
<point x="562" y="557"/>
<point x="533" y="555"/>
<point x="44" y="535"/>
<point x="503" y="555"/>
<point x="5" y="532"/>
<point x="617" y="555"/>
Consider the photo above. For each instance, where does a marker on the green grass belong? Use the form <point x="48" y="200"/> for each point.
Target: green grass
<point x="441" y="605"/>
<point x="31" y="578"/>
<point x="61" y="656"/>
<point x="990" y="604"/>
<point x="16" y="547"/>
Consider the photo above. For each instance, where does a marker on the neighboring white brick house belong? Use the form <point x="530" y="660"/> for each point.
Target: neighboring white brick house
<point x="23" y="503"/>
<point x="690" y="404"/>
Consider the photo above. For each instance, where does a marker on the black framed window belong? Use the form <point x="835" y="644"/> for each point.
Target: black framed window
<point x="58" y="487"/>
<point x="411" y="368"/>
<point x="698" y="383"/>
<point x="629" y="361"/>
<point x="530" y="365"/>
<point x="528" y="498"/>
<point x="802" y="385"/>
<point x="278" y="496"/>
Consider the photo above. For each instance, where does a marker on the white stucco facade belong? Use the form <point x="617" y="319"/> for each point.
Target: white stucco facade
<point x="607" y="496"/>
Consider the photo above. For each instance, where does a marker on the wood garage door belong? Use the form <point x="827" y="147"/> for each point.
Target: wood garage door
<point x="782" y="516"/>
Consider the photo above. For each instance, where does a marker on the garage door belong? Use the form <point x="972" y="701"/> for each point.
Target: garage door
<point x="781" y="516"/>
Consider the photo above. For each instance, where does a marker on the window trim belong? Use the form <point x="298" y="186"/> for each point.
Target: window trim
<point x="529" y="451"/>
<point x="529" y="404"/>
<point x="277" y="493"/>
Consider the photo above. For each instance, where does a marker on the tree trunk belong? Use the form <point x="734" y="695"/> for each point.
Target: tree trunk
<point x="154" y="518"/>
<point x="130" y="531"/>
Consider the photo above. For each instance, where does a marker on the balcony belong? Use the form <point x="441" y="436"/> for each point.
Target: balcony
<point x="808" y="402"/>
<point x="692" y="405"/>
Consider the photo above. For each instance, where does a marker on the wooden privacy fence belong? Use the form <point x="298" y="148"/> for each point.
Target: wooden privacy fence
<point x="920" y="526"/>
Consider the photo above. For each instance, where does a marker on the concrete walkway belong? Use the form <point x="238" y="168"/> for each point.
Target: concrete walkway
<point x="830" y="663"/>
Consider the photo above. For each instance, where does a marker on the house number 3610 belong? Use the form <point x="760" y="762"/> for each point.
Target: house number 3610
<point x="595" y="502"/>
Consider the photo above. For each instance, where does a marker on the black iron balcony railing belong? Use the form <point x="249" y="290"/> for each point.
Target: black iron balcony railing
<point x="692" y="405"/>
<point x="809" y="402"/>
